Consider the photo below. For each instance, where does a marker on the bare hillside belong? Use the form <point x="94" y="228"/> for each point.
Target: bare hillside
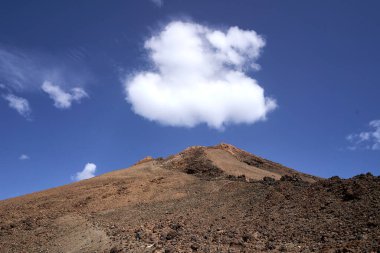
<point x="204" y="199"/>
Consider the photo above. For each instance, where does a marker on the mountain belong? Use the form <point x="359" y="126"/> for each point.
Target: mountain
<point x="203" y="199"/>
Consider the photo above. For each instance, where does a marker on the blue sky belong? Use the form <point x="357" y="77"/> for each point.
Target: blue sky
<point x="67" y="69"/>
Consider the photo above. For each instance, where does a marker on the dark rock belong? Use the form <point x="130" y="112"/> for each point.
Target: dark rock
<point x="175" y="226"/>
<point x="115" y="250"/>
<point x="171" y="235"/>
<point x="195" y="162"/>
<point x="282" y="248"/>
<point x="335" y="178"/>
<point x="291" y="178"/>
<point x="169" y="249"/>
<point x="246" y="237"/>
<point x="194" y="247"/>
<point x="269" y="179"/>
<point x="352" y="192"/>
<point x="368" y="175"/>
<point x="270" y="245"/>
<point x="138" y="235"/>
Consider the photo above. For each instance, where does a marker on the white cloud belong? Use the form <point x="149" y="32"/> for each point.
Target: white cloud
<point x="86" y="173"/>
<point x="159" y="3"/>
<point x="367" y="139"/>
<point x="24" y="157"/>
<point x="199" y="77"/>
<point x="21" y="105"/>
<point x="63" y="99"/>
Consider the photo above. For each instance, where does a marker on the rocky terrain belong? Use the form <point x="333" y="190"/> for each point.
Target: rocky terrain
<point x="204" y="199"/>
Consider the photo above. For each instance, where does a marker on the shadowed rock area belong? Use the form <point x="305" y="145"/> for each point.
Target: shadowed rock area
<point x="203" y="199"/>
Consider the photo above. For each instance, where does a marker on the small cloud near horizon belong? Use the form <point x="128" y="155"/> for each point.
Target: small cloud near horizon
<point x="366" y="139"/>
<point x="87" y="172"/>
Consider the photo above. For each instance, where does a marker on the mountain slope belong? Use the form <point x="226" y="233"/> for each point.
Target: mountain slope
<point x="197" y="200"/>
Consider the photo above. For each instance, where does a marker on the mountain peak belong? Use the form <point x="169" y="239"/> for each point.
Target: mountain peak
<point x="225" y="160"/>
<point x="224" y="145"/>
<point x="145" y="159"/>
<point x="229" y="148"/>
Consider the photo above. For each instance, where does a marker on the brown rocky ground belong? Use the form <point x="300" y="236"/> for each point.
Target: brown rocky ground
<point x="214" y="199"/>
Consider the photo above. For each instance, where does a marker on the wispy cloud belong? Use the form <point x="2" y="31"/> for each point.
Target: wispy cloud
<point x="21" y="105"/>
<point x="24" y="157"/>
<point x="87" y="172"/>
<point x="367" y="139"/>
<point x="200" y="76"/>
<point x="25" y="70"/>
<point x="61" y="98"/>
<point x="20" y="70"/>
<point x="159" y="3"/>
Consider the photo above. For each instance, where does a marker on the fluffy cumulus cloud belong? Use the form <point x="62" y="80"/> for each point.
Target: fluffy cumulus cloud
<point x="21" y="105"/>
<point x="199" y="75"/>
<point x="368" y="139"/>
<point x="87" y="172"/>
<point x="63" y="99"/>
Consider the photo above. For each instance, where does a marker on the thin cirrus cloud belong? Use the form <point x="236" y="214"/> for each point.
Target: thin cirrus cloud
<point x="21" y="105"/>
<point x="159" y="3"/>
<point x="20" y="70"/>
<point x="87" y="172"/>
<point x="200" y="76"/>
<point x="24" y="71"/>
<point x="63" y="99"/>
<point x="366" y="139"/>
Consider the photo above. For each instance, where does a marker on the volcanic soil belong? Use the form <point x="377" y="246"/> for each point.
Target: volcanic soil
<point x="204" y="199"/>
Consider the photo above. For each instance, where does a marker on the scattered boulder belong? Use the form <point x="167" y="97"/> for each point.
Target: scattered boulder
<point x="291" y="178"/>
<point x="194" y="246"/>
<point x="171" y="234"/>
